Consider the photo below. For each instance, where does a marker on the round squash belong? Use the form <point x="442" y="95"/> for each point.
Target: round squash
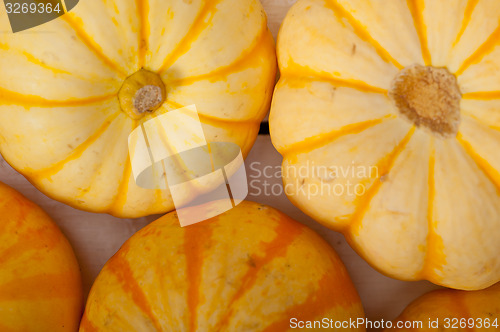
<point x="470" y="311"/>
<point x="249" y="269"/>
<point x="40" y="282"/>
<point x="72" y="90"/>
<point x="388" y="120"/>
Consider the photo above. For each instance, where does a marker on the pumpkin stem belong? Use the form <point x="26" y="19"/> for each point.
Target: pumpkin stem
<point x="428" y="97"/>
<point x="142" y="92"/>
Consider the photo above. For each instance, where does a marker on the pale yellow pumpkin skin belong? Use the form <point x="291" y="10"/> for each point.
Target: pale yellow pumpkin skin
<point x="61" y="124"/>
<point x="427" y="207"/>
<point x="40" y="282"/>
<point x="249" y="269"/>
<point x="482" y="306"/>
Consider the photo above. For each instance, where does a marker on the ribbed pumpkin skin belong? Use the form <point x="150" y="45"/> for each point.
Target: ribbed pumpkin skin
<point x="426" y="207"/>
<point x="447" y="303"/>
<point x="61" y="124"/>
<point x="249" y="269"/>
<point x="40" y="282"/>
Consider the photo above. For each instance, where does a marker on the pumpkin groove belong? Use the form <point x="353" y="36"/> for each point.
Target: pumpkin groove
<point x="8" y="97"/>
<point x="416" y="9"/>
<point x="471" y="5"/>
<point x="360" y="31"/>
<point x="384" y="169"/>
<point x="201" y="23"/>
<point x="77" y="25"/>
<point x="327" y="78"/>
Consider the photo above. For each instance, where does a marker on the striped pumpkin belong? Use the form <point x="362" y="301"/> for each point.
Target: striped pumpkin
<point x="454" y="311"/>
<point x="71" y="91"/>
<point x="249" y="269"/>
<point x="40" y="283"/>
<point x="387" y="117"/>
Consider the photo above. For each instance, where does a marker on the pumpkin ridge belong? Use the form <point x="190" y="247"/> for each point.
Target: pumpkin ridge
<point x="246" y="56"/>
<point x="416" y="9"/>
<point x="92" y="45"/>
<point x="196" y="239"/>
<point x="384" y="168"/>
<point x="76" y="153"/>
<point x="8" y="97"/>
<point x="482" y="95"/>
<point x="492" y="174"/>
<point x="277" y="247"/>
<point x="291" y="74"/>
<point x="323" y="139"/>
<point x="194" y="31"/>
<point x="486" y="48"/>
<point x="144" y="30"/>
<point x="469" y="9"/>
<point x="120" y="267"/>
<point x="361" y="31"/>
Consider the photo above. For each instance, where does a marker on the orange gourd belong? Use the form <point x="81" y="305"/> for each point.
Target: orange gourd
<point x="249" y="269"/>
<point x="40" y="283"/>
<point x="453" y="310"/>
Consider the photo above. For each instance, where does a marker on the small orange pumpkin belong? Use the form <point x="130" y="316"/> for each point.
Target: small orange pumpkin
<point x="466" y="310"/>
<point x="40" y="282"/>
<point x="249" y="269"/>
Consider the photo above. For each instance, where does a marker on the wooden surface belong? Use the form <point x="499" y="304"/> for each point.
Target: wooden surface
<point x="96" y="237"/>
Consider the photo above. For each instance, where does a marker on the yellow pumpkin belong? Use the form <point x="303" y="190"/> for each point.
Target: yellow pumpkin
<point x="249" y="269"/>
<point x="40" y="283"/>
<point x="452" y="310"/>
<point x="73" y="89"/>
<point x="387" y="117"/>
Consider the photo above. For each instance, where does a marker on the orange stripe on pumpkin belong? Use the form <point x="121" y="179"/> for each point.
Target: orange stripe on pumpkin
<point x="196" y="239"/>
<point x="482" y="95"/>
<point x="297" y="75"/>
<point x="315" y="142"/>
<point x="143" y="11"/>
<point x="471" y="5"/>
<point x="32" y="242"/>
<point x="435" y="258"/>
<point x="277" y="247"/>
<point x="44" y="286"/>
<point x="212" y="120"/>
<point x="328" y="295"/>
<point x="76" y="24"/>
<point x="361" y="32"/>
<point x="384" y="167"/>
<point x="416" y="8"/>
<point x="201" y="22"/>
<point x="8" y="97"/>
<point x="249" y="56"/>
<point x="491" y="173"/>
<point x="486" y="48"/>
<point x="120" y="267"/>
<point x="75" y="154"/>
